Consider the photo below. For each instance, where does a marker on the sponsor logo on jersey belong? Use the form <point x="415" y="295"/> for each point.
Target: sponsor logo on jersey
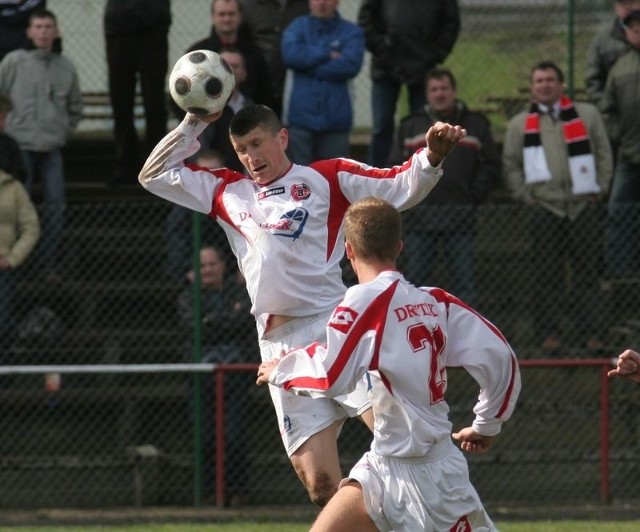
<point x="342" y="319"/>
<point x="271" y="192"/>
<point x="290" y="224"/>
<point x="300" y="191"/>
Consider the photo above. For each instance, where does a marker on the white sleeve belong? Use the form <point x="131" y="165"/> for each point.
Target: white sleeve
<point x="327" y="370"/>
<point x="165" y="174"/>
<point x="476" y="344"/>
<point x="403" y="186"/>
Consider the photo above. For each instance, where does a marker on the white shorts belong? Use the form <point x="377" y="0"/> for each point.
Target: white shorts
<point x="301" y="417"/>
<point x="431" y="493"/>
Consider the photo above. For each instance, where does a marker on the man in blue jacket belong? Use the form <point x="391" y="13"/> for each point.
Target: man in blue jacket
<point x="324" y="53"/>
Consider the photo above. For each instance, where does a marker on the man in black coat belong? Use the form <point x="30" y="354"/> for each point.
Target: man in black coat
<point x="136" y="33"/>
<point x="406" y="39"/>
<point x="445" y="219"/>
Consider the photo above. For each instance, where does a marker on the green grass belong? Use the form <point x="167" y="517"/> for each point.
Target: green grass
<point x="531" y="526"/>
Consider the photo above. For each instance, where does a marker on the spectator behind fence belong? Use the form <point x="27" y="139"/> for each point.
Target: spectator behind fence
<point x="324" y="53"/>
<point x="229" y="31"/>
<point x="268" y="19"/>
<point x="47" y="106"/>
<point x="228" y="337"/>
<point x="557" y="159"/>
<point x="216" y="135"/>
<point x="406" y="39"/>
<point x="179" y="227"/>
<point x="136" y="35"/>
<point x="621" y="110"/>
<point x="19" y="227"/>
<point x="14" y="20"/>
<point x="406" y="481"/>
<point x="284" y="224"/>
<point x="606" y="47"/>
<point x="446" y="218"/>
<point x="627" y="366"/>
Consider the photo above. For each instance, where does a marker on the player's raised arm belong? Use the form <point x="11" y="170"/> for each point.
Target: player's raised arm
<point x="441" y="139"/>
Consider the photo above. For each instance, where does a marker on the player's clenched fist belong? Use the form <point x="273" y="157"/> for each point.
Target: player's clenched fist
<point x="627" y="366"/>
<point x="265" y="370"/>
<point x="441" y="139"/>
<point x="472" y="442"/>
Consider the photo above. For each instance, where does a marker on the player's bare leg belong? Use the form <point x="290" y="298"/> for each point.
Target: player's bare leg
<point x="345" y="512"/>
<point x="317" y="465"/>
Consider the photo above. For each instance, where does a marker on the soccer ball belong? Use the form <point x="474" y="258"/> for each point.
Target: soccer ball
<point x="201" y="82"/>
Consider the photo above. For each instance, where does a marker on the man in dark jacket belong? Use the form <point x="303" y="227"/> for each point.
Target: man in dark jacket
<point x="268" y="19"/>
<point x="406" y="39"/>
<point x="136" y="33"/>
<point x="14" y="20"/>
<point x="229" y="31"/>
<point x="606" y="47"/>
<point x="446" y="218"/>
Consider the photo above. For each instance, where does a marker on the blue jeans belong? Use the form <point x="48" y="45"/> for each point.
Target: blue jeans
<point x="48" y="168"/>
<point x="306" y="146"/>
<point x="623" y="223"/>
<point x="384" y="97"/>
<point x="420" y="257"/>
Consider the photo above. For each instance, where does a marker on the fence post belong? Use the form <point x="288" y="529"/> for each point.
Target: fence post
<point x="605" y="495"/>
<point x="198" y="475"/>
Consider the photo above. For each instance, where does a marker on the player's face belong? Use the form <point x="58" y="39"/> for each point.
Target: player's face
<point x="225" y="16"/>
<point x="546" y="87"/>
<point x="262" y="153"/>
<point x="211" y="269"/>
<point x="43" y="31"/>
<point x="441" y="95"/>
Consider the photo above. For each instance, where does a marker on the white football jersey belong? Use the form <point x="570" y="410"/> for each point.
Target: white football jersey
<point x="288" y="235"/>
<point x="406" y="337"/>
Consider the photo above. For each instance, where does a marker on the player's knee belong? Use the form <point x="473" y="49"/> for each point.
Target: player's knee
<point x="321" y="491"/>
<point x="320" y="487"/>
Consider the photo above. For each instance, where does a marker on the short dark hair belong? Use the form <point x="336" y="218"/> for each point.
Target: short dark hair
<point x="440" y="73"/>
<point x="251" y="116"/>
<point x="549" y="65"/>
<point x="42" y="13"/>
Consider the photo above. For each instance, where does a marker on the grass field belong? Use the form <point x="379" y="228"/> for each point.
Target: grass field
<point x="531" y="526"/>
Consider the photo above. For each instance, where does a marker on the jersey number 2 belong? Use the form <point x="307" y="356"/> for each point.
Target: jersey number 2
<point x="419" y="337"/>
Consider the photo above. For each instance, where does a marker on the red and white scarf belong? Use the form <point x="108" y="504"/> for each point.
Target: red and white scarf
<point x="582" y="166"/>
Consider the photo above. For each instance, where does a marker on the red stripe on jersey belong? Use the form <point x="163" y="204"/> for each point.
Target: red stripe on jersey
<point x="228" y="176"/>
<point x="372" y="319"/>
<point x="447" y="298"/>
<point x="338" y="203"/>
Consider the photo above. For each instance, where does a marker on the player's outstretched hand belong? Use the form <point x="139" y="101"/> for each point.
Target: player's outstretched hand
<point x="472" y="442"/>
<point x="264" y="371"/>
<point x="441" y="139"/>
<point x="627" y="366"/>
<point x="205" y="118"/>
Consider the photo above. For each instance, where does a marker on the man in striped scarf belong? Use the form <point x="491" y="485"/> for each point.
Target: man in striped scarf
<point x="557" y="160"/>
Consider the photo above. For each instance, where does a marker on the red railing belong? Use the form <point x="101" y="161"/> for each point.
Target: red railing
<point x="604" y="364"/>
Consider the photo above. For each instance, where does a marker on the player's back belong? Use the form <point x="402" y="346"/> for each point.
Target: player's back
<point x="409" y="377"/>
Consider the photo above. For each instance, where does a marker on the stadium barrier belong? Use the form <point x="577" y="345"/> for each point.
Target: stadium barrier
<point x="579" y="435"/>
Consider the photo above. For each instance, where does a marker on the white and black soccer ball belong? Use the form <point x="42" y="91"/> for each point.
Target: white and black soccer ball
<point x="201" y="82"/>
